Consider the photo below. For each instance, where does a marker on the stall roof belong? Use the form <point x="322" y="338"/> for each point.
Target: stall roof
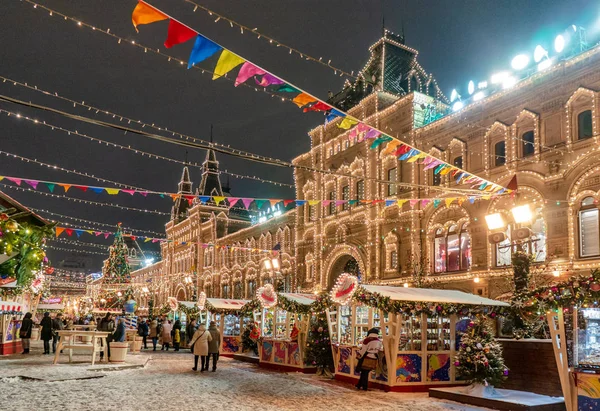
<point x="300" y="298"/>
<point x="226" y="304"/>
<point x="431" y="295"/>
<point x="102" y="311"/>
<point x="43" y="307"/>
<point x="188" y="304"/>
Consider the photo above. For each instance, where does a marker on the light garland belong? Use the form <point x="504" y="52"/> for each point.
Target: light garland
<point x="75" y="250"/>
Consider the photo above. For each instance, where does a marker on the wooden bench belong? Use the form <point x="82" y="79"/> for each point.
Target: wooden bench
<point x="68" y="341"/>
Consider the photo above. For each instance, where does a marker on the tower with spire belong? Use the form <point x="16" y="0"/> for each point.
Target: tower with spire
<point x="181" y="205"/>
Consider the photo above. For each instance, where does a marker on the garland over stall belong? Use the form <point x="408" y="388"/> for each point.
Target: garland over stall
<point x="421" y="331"/>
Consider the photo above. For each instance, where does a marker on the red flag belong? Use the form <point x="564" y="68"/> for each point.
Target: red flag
<point x="512" y="184"/>
<point x="178" y="33"/>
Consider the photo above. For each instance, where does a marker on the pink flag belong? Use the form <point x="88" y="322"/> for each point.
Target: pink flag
<point x="17" y="181"/>
<point x="269" y="79"/>
<point x="247" y="202"/>
<point x="130" y="192"/>
<point x="248" y="70"/>
<point x="106" y="235"/>
<point x="232" y="201"/>
<point x="32" y="183"/>
<point x="413" y="203"/>
<point x="144" y="193"/>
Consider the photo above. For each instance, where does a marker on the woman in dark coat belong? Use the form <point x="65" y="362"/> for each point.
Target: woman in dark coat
<point x="25" y="333"/>
<point x="46" y="324"/>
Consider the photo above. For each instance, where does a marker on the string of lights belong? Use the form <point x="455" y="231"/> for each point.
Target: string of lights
<point x="89" y="202"/>
<point x="75" y="250"/>
<point x="271" y="40"/>
<point x="184" y="63"/>
<point x="93" y="245"/>
<point x="129" y="229"/>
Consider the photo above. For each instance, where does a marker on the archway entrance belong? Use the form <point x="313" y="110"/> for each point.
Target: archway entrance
<point x="180" y="295"/>
<point x="344" y="264"/>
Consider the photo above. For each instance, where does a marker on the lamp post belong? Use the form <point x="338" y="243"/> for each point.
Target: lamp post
<point x="272" y="265"/>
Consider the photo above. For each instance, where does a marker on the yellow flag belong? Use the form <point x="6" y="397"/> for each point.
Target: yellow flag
<point x="415" y="158"/>
<point x="449" y="201"/>
<point x="401" y="203"/>
<point x="313" y="202"/>
<point x="392" y="145"/>
<point x="347" y="123"/>
<point x="218" y="199"/>
<point x="445" y="171"/>
<point x="112" y="191"/>
<point x="227" y="62"/>
<point x="145" y="14"/>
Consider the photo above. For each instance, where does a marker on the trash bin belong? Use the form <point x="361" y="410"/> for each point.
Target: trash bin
<point x="118" y="351"/>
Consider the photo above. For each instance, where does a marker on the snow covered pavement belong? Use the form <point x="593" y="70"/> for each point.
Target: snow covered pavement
<point x="168" y="382"/>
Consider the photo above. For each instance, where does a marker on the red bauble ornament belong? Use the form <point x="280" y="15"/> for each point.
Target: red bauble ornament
<point x="3" y="217"/>
<point x="595" y="286"/>
<point x="49" y="270"/>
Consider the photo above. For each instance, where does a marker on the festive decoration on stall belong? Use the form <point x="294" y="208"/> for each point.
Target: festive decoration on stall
<point x="267" y="296"/>
<point x="250" y="338"/>
<point x="204" y="48"/>
<point x="173" y="303"/>
<point x="479" y="359"/>
<point x="116" y="267"/>
<point x="21" y="253"/>
<point x="201" y="301"/>
<point x="344" y="288"/>
<point x="318" y="345"/>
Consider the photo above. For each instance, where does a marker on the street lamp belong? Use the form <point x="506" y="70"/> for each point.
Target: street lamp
<point x="522" y="214"/>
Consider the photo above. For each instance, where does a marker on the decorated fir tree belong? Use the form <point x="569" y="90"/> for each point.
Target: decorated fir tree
<point x="116" y="266"/>
<point x="250" y="338"/>
<point x="318" y="345"/>
<point x="479" y="359"/>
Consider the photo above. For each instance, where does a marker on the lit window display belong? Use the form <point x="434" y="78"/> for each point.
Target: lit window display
<point x="452" y="248"/>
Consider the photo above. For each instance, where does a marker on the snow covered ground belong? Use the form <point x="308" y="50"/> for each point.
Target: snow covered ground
<point x="164" y="380"/>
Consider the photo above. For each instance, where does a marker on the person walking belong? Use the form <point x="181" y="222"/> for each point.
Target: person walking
<point x="154" y="333"/>
<point x="369" y="353"/>
<point x="25" y="333"/>
<point x="190" y="329"/>
<point x="107" y="324"/>
<point x="166" y="335"/>
<point x="57" y="325"/>
<point x="176" y="334"/>
<point x="46" y="336"/>
<point x="213" y="345"/>
<point x="143" y="331"/>
<point x="120" y="333"/>
<point x="200" y="342"/>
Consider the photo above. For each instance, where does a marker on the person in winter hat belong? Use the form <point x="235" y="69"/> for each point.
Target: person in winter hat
<point x="371" y="346"/>
<point x="46" y="325"/>
<point x="154" y="333"/>
<point x="200" y="342"/>
<point x="213" y="345"/>
<point x="166" y="335"/>
<point x="25" y="333"/>
<point x="107" y="324"/>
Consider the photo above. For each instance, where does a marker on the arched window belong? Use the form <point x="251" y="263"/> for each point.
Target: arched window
<point x="251" y="289"/>
<point x="452" y="249"/>
<point x="500" y="153"/>
<point x="589" y="228"/>
<point x="458" y="162"/>
<point x="225" y="293"/>
<point x="237" y="290"/>
<point x="527" y="139"/>
<point x="584" y="125"/>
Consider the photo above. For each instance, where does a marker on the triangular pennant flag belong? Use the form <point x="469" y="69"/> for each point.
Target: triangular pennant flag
<point x="147" y="240"/>
<point x="97" y="190"/>
<point x="112" y="191"/>
<point x="408" y="154"/>
<point x="436" y="203"/>
<point x="303" y="99"/>
<point x="227" y="62"/>
<point x="390" y="202"/>
<point x="439" y="168"/>
<point x="424" y="202"/>
<point x="471" y="200"/>
<point x="78" y="232"/>
<point x="50" y="187"/>
<point x="449" y="201"/>
<point x="313" y="202"/>
<point x="392" y="146"/>
<point x="372" y="133"/>
<point x="259" y="203"/>
<point x="203" y="49"/>
<point x="155" y="240"/>
<point x="218" y="199"/>
<point x="17" y="181"/>
<point x="247" y="202"/>
<point x="378" y="141"/>
<point x="460" y="201"/>
<point x="416" y="157"/>
<point x="401" y="203"/>
<point x="97" y="233"/>
<point x="204" y="199"/>
<point x="325" y="203"/>
<point x="82" y="188"/>
<point x="287" y="202"/>
<point x="318" y="106"/>
<point x="286" y="88"/>
<point x="32" y="183"/>
<point x="333" y="114"/>
<point x="130" y="192"/>
<point x="144" y="193"/>
<point x="89" y="232"/>
<point x="352" y="202"/>
<point x="300" y="202"/>
<point x="337" y="202"/>
<point x="512" y="184"/>
<point x="413" y="202"/>
<point x="232" y="201"/>
<point x="106" y="235"/>
<point x="190" y="199"/>
<point x="69" y="231"/>
<point x="273" y="202"/>
<point x="174" y="197"/>
<point x="146" y="14"/>
<point x="268" y="79"/>
<point x="347" y="123"/>
<point x="59" y="231"/>
<point x="431" y="165"/>
<point x="248" y="70"/>
<point x="445" y="171"/>
<point x="178" y="33"/>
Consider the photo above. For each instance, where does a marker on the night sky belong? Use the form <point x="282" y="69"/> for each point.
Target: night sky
<point x="457" y="40"/>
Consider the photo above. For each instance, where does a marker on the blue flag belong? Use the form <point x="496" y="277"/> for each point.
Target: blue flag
<point x="203" y="49"/>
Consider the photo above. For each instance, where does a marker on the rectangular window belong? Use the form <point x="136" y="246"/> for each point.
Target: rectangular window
<point x="225" y="293"/>
<point x="584" y="125"/>
<point x="465" y="251"/>
<point x="392" y="175"/>
<point x="437" y="179"/>
<point x="346" y="196"/>
<point x="453" y="252"/>
<point x="360" y="190"/>
<point x="589" y="235"/>
<point x="528" y="143"/>
<point x="251" y="289"/>
<point x="332" y="204"/>
<point x="237" y="291"/>
<point x="500" y="153"/>
<point x="312" y="212"/>
<point x="440" y="254"/>
<point x="394" y="260"/>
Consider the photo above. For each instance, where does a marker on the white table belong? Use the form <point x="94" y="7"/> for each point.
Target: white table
<point x="68" y="341"/>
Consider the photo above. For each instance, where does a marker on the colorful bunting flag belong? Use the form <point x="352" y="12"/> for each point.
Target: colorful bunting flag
<point x="247" y="202"/>
<point x="347" y="123"/>
<point x="269" y="79"/>
<point x="146" y="14"/>
<point x="178" y="33"/>
<point x="203" y="49"/>
<point x="112" y="191"/>
<point x="379" y="141"/>
<point x="17" y="181"/>
<point x="303" y="99"/>
<point x="232" y="201"/>
<point x="449" y="201"/>
<point x="32" y="183"/>
<point x="401" y="203"/>
<point x="227" y="62"/>
<point x="204" y="199"/>
<point x="59" y="231"/>
<point x="50" y="187"/>
<point x="248" y="70"/>
<point x="218" y="199"/>
<point x="259" y="203"/>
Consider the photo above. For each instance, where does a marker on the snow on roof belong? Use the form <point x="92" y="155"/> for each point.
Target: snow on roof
<point x="188" y="304"/>
<point x="300" y="298"/>
<point x="226" y="304"/>
<point x="42" y="307"/>
<point x="431" y="295"/>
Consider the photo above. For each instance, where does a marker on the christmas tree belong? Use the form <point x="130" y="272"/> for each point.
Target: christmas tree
<point x="250" y="338"/>
<point x="479" y="358"/>
<point x="318" y="345"/>
<point x="116" y="267"/>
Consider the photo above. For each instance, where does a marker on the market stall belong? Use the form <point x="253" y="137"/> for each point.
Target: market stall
<point x="284" y="329"/>
<point x="420" y="329"/>
<point x="10" y="343"/>
<point x="230" y="322"/>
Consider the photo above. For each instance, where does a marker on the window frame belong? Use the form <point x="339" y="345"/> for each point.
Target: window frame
<point x="499" y="160"/>
<point x="442" y="234"/>
<point x="583" y="208"/>
<point x="525" y="143"/>
<point x="392" y="189"/>
<point x="579" y="128"/>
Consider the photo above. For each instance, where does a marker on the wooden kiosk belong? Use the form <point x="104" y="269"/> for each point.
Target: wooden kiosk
<point x="420" y="341"/>
<point x="226" y="313"/>
<point x="278" y="348"/>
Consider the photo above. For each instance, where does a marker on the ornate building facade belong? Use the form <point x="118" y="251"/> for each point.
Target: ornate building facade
<point x="544" y="129"/>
